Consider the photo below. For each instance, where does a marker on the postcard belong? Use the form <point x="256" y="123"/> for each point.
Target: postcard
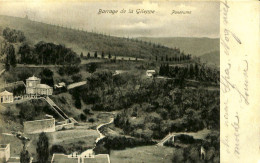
<point x="129" y="82"/>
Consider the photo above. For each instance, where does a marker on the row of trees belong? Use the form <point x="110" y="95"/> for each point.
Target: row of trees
<point x="13" y="36"/>
<point x="191" y="71"/>
<point x="47" y="53"/>
<point x="175" y="58"/>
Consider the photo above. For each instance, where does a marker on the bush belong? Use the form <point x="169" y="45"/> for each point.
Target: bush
<point x="92" y="120"/>
<point x="87" y="111"/>
<point x="122" y="142"/>
<point x="57" y="149"/>
<point x="83" y="117"/>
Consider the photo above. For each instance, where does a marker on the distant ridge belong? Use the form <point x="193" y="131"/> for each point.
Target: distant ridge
<point x="83" y="41"/>
<point x="193" y="45"/>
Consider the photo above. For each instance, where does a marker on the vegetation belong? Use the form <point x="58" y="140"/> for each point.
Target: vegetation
<point x="120" y="143"/>
<point x="46" y="76"/>
<point x="57" y="149"/>
<point x="13" y="36"/>
<point x="25" y="156"/>
<point x="43" y="148"/>
<point x="47" y="53"/>
<point x="193" y="72"/>
<point x="34" y="110"/>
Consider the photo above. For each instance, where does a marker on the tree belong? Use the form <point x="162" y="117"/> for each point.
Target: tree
<point x="156" y="58"/>
<point x="109" y="55"/>
<point x="81" y="55"/>
<point x="92" y="68"/>
<point x="47" y="77"/>
<point x="25" y="156"/>
<point x="95" y="55"/>
<point x="88" y="55"/>
<point x="42" y="148"/>
<point x="25" y="51"/>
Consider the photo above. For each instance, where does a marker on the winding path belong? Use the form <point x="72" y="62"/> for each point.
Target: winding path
<point x="101" y="136"/>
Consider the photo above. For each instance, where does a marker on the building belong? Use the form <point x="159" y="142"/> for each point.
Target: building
<point x="4" y="152"/>
<point x="34" y="87"/>
<point x="6" y="97"/>
<point x="60" y="85"/>
<point x="76" y="158"/>
<point x="150" y="73"/>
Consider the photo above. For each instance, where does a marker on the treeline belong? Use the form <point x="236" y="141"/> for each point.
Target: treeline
<point x="47" y="53"/>
<point x="175" y="58"/>
<point x="119" y="143"/>
<point x="13" y="36"/>
<point x="191" y="71"/>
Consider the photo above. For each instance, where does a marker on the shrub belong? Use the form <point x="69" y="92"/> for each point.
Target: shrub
<point x="57" y="149"/>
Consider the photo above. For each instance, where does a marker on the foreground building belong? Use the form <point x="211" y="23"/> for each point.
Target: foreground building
<point x="4" y="152"/>
<point x="6" y="97"/>
<point x="75" y="158"/>
<point x="34" y="87"/>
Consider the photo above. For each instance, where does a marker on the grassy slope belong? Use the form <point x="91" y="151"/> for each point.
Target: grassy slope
<point x="81" y="41"/>
<point x="146" y="154"/>
<point x="194" y="46"/>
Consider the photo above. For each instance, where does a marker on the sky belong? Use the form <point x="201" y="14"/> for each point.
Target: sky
<point x="202" y="22"/>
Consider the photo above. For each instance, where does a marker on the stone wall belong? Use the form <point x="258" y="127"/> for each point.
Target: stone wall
<point x="37" y="126"/>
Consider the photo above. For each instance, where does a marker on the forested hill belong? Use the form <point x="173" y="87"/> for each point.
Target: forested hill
<point x="82" y="41"/>
<point x="195" y="46"/>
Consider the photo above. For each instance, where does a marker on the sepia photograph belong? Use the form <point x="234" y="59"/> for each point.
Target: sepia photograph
<point x="109" y="82"/>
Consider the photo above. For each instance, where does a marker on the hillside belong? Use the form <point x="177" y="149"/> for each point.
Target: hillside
<point x="193" y="46"/>
<point x="211" y="58"/>
<point x="83" y="41"/>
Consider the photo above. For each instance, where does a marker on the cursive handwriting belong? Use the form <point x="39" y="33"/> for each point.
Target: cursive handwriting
<point x="235" y="125"/>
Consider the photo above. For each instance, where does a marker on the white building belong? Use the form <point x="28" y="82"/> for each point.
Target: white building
<point x="150" y="73"/>
<point x="6" y="97"/>
<point x="4" y="152"/>
<point x="34" y="87"/>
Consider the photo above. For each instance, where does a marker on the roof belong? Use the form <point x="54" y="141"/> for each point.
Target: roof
<point x="6" y="93"/>
<point x="33" y="78"/>
<point x="62" y="84"/>
<point x="62" y="158"/>
<point x="101" y="158"/>
<point x="43" y="86"/>
<point x="150" y="71"/>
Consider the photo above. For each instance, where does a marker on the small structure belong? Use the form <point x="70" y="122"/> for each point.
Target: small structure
<point x="202" y="153"/>
<point x="4" y="152"/>
<point x="150" y="73"/>
<point x="34" y="86"/>
<point x="60" y="85"/>
<point x="6" y="97"/>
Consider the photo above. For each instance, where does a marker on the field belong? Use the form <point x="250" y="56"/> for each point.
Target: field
<point x="146" y="154"/>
